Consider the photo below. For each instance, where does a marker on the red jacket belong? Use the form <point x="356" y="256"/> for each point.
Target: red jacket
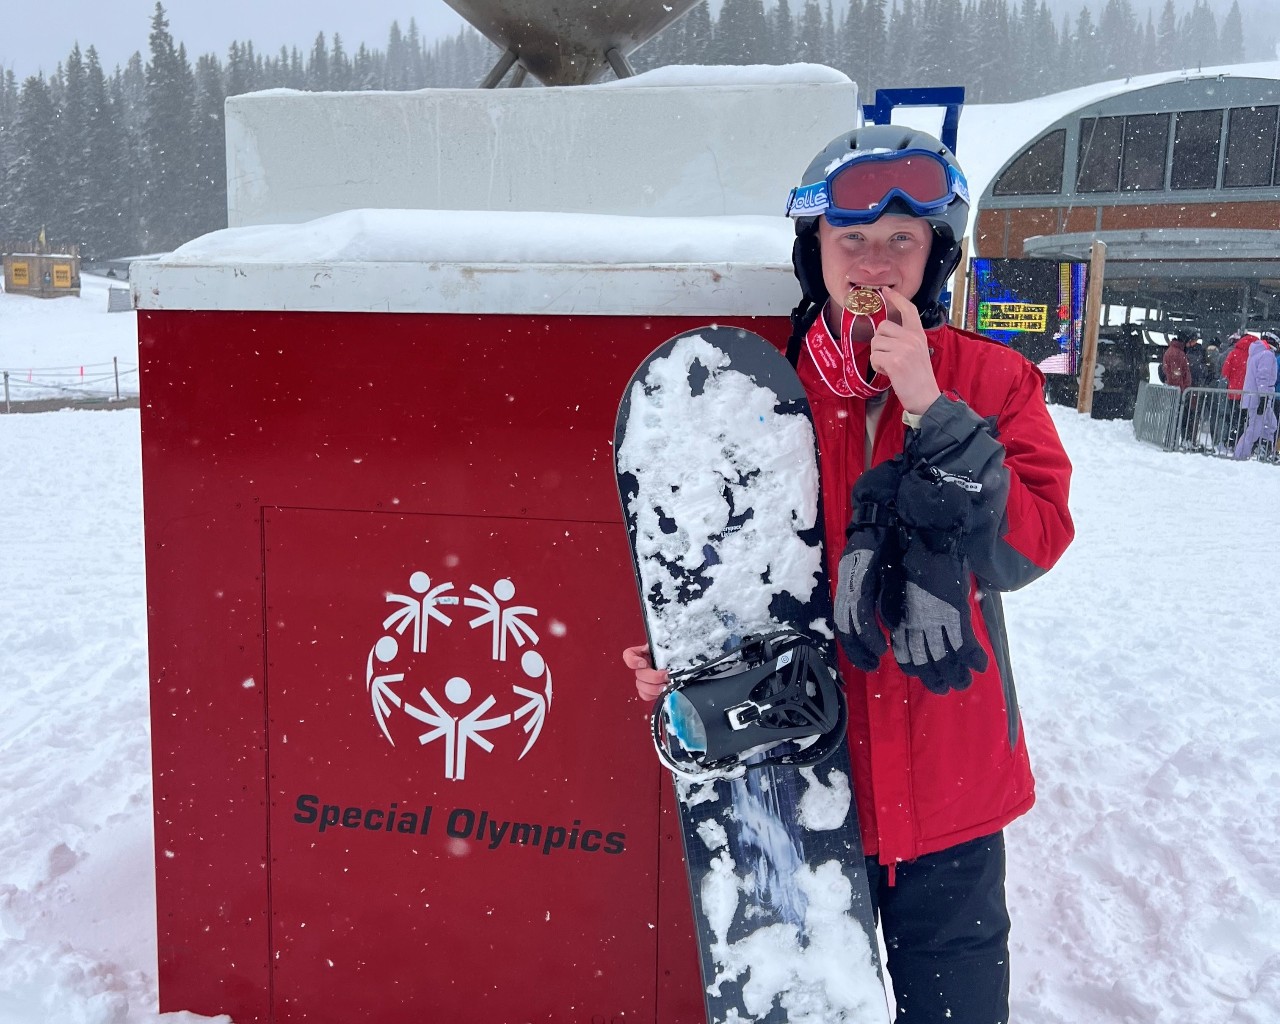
<point x="1177" y="370"/>
<point x="933" y="771"/>
<point x="1236" y="363"/>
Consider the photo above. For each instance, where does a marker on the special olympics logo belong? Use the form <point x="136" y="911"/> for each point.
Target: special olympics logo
<point x="448" y="708"/>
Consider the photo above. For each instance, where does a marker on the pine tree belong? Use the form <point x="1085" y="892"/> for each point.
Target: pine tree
<point x="1167" y="45"/>
<point x="209" y="212"/>
<point x="106" y="228"/>
<point x="1065" y="61"/>
<point x="811" y="42"/>
<point x="1149" y="61"/>
<point x="698" y="36"/>
<point x="397" y="71"/>
<point x="339" y="66"/>
<point x="873" y="48"/>
<point x="127" y="114"/>
<point x="1231" y="43"/>
<point x="755" y="32"/>
<point x="73" y="121"/>
<point x="255" y="67"/>
<point x="1117" y="29"/>
<point x="318" y="65"/>
<point x="849" y="49"/>
<point x="948" y="68"/>
<point x="1201" y="36"/>
<point x="363" y="74"/>
<point x="1088" y="51"/>
<point x="167" y="134"/>
<point x="297" y="70"/>
<point x="730" y="33"/>
<point x="904" y="57"/>
<point x="933" y="42"/>
<point x="416" y="77"/>
<point x="34" y="179"/>
<point x="1044" y="48"/>
<point x="1000" y="34"/>
<point x="8" y="118"/>
<point x="237" y="72"/>
<point x="782" y="34"/>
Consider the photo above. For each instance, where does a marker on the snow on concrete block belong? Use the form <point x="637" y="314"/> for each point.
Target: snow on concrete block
<point x="697" y="142"/>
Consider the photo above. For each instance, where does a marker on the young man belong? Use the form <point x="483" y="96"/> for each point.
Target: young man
<point x="977" y="505"/>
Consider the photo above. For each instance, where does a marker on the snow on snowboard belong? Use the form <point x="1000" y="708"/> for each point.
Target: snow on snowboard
<point x="717" y="471"/>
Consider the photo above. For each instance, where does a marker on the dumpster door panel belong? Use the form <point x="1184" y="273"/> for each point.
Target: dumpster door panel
<point x="447" y="819"/>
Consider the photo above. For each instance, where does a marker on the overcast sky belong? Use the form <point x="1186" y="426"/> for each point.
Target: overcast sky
<point x="35" y="37"/>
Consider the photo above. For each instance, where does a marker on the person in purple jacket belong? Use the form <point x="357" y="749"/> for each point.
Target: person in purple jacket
<point x="1257" y="402"/>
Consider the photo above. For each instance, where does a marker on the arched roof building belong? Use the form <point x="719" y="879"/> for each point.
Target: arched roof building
<point x="1180" y="179"/>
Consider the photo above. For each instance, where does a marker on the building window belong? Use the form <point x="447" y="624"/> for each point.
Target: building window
<point x="1251" y="147"/>
<point x="1038" y="171"/>
<point x="1197" y="140"/>
<point x="1146" y="149"/>
<point x="1098" y="163"/>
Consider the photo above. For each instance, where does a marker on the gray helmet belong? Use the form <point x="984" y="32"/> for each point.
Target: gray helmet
<point x="948" y="224"/>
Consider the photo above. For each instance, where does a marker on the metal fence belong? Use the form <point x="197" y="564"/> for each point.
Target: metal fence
<point x="1223" y="422"/>
<point x="92" y="382"/>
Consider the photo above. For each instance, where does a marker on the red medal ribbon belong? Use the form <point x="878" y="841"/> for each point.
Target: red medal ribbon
<point x="835" y="358"/>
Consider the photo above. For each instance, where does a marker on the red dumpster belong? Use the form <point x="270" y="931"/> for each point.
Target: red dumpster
<point x="400" y="775"/>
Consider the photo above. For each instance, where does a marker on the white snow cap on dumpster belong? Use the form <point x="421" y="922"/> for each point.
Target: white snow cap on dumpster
<point x="482" y="261"/>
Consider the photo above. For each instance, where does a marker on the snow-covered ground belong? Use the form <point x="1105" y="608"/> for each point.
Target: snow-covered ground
<point x="69" y="347"/>
<point x="1145" y="885"/>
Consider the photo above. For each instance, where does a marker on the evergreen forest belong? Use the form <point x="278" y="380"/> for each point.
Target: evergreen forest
<point x="132" y="160"/>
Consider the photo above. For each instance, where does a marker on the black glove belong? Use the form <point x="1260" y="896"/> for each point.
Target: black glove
<point x="870" y="547"/>
<point x="925" y="603"/>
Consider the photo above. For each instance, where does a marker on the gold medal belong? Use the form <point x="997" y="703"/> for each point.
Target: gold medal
<point x="864" y="302"/>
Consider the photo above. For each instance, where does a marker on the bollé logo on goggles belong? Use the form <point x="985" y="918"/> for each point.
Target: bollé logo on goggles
<point x="808" y="200"/>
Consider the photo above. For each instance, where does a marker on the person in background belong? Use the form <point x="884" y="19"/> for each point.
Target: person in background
<point x="1184" y="361"/>
<point x="1197" y="358"/>
<point x="1217" y="352"/>
<point x="1234" y="366"/>
<point x="1257" y="402"/>
<point x="1177" y="371"/>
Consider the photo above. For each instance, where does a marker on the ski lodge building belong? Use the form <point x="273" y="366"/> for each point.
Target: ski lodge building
<point x="1181" y="180"/>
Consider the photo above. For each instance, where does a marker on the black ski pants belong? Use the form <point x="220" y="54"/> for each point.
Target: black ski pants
<point x="946" y="933"/>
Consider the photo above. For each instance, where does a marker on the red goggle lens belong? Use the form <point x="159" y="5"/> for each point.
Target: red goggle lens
<point x="863" y="184"/>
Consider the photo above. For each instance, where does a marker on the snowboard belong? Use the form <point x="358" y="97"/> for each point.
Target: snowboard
<point x="717" y="473"/>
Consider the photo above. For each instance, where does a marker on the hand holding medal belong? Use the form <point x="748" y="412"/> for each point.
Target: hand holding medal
<point x="862" y="314"/>
<point x="900" y="351"/>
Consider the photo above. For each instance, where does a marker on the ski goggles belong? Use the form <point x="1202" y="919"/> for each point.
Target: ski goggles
<point x="860" y="189"/>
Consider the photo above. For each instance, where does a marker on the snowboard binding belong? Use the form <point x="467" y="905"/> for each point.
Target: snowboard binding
<point x="773" y="700"/>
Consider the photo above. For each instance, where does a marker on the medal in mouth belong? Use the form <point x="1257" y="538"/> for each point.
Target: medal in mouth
<point x="863" y="310"/>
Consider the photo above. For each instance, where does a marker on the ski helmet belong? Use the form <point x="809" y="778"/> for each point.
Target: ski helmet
<point x="948" y="220"/>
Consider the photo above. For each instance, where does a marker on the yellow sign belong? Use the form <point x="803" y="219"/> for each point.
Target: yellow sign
<point x="1013" y="316"/>
<point x="62" y="275"/>
<point x="21" y="273"/>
